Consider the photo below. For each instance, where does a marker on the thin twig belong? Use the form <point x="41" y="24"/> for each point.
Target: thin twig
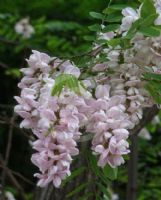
<point x="132" y="169"/>
<point x="9" y="143"/>
<point x="4" y="120"/>
<point x="18" y="175"/>
<point x="6" y="106"/>
<point x="3" y="65"/>
<point x="13" y="180"/>
<point x="6" y="41"/>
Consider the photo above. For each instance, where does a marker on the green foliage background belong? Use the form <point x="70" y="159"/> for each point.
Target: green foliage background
<point x="60" y="27"/>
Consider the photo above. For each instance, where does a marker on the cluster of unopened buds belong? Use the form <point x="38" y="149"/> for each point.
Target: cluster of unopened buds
<point x="108" y="109"/>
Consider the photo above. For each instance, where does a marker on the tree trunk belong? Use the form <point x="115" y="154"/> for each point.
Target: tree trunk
<point x="132" y="170"/>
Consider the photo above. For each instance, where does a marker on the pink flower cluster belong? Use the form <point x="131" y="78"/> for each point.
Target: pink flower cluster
<point x="129" y="65"/>
<point x="54" y="120"/>
<point x="55" y="149"/>
<point x="109" y="124"/>
<point x="128" y="85"/>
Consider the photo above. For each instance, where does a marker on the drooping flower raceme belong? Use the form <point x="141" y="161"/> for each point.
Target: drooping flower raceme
<point x="109" y="124"/>
<point x="54" y="120"/>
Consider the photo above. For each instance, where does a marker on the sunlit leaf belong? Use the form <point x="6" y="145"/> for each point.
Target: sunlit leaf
<point x="114" y="42"/>
<point x="65" y="80"/>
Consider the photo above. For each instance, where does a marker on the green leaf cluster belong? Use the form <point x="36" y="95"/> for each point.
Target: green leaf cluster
<point x="65" y="80"/>
<point x="145" y="24"/>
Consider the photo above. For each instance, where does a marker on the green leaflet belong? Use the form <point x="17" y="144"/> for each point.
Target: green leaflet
<point x="105" y="174"/>
<point x="114" y="42"/>
<point x="77" y="190"/>
<point x="114" y="8"/>
<point x="118" y="6"/>
<point x="96" y="170"/>
<point x="152" y="76"/>
<point x="104" y="190"/>
<point x="74" y="174"/>
<point x="150" y="31"/>
<point x="89" y="38"/>
<point x="148" y="21"/>
<point x="95" y="27"/>
<point x="145" y="26"/>
<point x="123" y="42"/>
<point x="96" y="15"/>
<point x="114" y="17"/>
<point x="147" y="8"/>
<point x="111" y="27"/>
<point x="110" y="172"/>
<point x="65" y="80"/>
